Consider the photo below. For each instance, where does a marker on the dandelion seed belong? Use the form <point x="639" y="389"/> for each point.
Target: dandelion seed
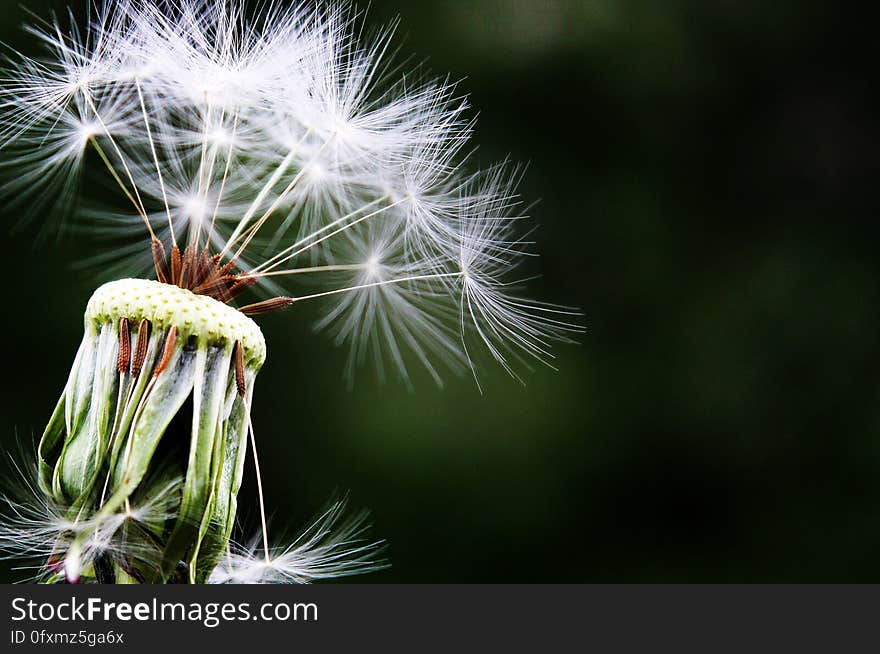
<point x="332" y="546"/>
<point x="266" y="161"/>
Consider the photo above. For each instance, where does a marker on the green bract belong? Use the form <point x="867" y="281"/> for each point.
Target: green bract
<point x="148" y="348"/>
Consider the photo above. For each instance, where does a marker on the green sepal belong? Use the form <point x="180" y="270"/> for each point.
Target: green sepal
<point x="82" y="457"/>
<point x="50" y="447"/>
<point x="212" y="368"/>
<point x="228" y="479"/>
<point x="162" y="400"/>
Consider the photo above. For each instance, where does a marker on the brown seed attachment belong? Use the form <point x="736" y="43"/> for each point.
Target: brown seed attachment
<point x="167" y="351"/>
<point x="266" y="306"/>
<point x="238" y="357"/>
<point x="176" y="264"/>
<point x="140" y="348"/>
<point x="124" y="358"/>
<point x="209" y="274"/>
<point x="160" y="260"/>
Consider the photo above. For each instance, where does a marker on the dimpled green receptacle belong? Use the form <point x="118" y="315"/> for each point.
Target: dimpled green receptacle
<point x="148" y="348"/>
<point x="165" y="305"/>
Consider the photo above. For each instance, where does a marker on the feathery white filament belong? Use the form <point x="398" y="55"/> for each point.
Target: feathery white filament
<point x="36" y="528"/>
<point x="332" y="546"/>
<point x="287" y="143"/>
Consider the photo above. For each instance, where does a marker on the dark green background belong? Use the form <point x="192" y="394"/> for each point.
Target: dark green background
<point x="706" y="174"/>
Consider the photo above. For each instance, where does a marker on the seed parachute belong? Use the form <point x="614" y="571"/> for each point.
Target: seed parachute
<point x="261" y="158"/>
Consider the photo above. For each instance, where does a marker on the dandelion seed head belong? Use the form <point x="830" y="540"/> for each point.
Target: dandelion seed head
<point x="279" y="152"/>
<point x="284" y="140"/>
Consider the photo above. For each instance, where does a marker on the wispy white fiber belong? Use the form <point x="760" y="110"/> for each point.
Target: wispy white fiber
<point x="293" y="142"/>
<point x="60" y="541"/>
<point x="334" y="545"/>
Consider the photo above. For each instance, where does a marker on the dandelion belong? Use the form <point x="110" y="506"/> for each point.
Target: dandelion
<point x="266" y="160"/>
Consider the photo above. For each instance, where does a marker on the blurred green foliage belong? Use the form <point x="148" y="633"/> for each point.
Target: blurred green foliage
<point x="703" y="170"/>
